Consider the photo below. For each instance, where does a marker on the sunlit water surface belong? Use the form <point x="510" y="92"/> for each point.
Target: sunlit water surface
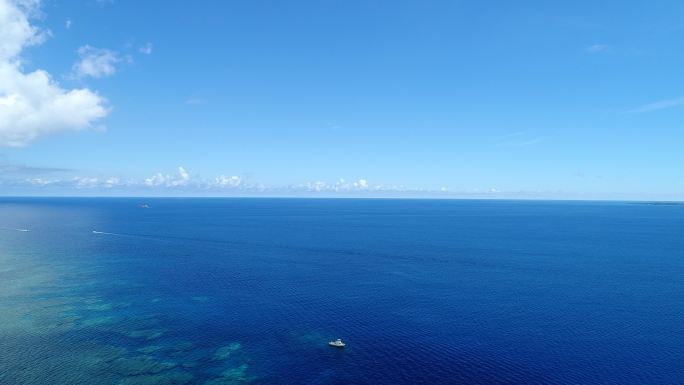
<point x="249" y="291"/>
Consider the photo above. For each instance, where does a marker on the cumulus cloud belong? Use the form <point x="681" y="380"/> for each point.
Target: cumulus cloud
<point x="32" y="104"/>
<point x="340" y="186"/>
<point x="85" y="182"/>
<point x="112" y="182"/>
<point x="183" y="182"/>
<point x="361" y="184"/>
<point x="227" y="181"/>
<point x="234" y="182"/>
<point x="156" y="180"/>
<point x="159" y="179"/>
<point x="183" y="178"/>
<point x="95" y="62"/>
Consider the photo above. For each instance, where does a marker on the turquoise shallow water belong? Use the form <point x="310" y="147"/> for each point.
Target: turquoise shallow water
<point x="237" y="291"/>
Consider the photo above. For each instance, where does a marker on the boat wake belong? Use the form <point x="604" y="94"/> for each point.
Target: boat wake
<point x="12" y="229"/>
<point x="104" y="233"/>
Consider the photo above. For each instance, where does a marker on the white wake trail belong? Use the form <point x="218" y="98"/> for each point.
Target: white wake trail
<point x="104" y="233"/>
<point x="13" y="229"/>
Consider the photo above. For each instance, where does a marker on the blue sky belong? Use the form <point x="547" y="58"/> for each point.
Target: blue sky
<point x="477" y="99"/>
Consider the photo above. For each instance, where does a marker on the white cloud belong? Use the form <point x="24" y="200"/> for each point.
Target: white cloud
<point x="194" y="101"/>
<point x="156" y="180"/>
<point x="85" y="182"/>
<point x="32" y="104"/>
<point x="15" y="29"/>
<point x="67" y="24"/>
<point x="340" y="186"/>
<point x="596" y="48"/>
<point x="95" y="62"/>
<point x="318" y="186"/>
<point x="183" y="178"/>
<point x="517" y="139"/>
<point x="227" y="181"/>
<point x="78" y="182"/>
<point x="659" y="105"/>
<point x="182" y="183"/>
<point x="146" y="49"/>
<point x="112" y="182"/>
<point x="40" y="181"/>
<point x="160" y="179"/>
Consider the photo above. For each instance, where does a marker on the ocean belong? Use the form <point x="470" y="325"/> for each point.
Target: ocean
<point x="250" y="291"/>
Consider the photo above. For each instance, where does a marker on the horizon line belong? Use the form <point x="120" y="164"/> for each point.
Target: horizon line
<point x="674" y="201"/>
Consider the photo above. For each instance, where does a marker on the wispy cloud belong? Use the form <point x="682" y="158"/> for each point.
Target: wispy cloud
<point x="659" y="105"/>
<point x="96" y="62"/>
<point x="20" y="169"/>
<point x="517" y="139"/>
<point x="596" y="48"/>
<point x="194" y="101"/>
<point x="146" y="49"/>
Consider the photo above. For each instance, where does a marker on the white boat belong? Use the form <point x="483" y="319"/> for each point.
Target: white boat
<point x="337" y="343"/>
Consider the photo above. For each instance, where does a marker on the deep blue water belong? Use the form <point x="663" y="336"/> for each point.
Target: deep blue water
<point x="233" y="291"/>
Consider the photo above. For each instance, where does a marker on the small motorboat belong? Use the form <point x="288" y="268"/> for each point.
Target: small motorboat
<point x="337" y="343"/>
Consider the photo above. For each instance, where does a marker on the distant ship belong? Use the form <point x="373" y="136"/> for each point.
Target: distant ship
<point x="144" y="206"/>
<point x="337" y="343"/>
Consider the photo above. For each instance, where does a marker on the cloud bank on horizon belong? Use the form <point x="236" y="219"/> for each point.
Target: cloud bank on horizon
<point x="183" y="181"/>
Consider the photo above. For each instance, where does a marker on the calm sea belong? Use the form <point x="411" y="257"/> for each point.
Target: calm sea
<point x="249" y="291"/>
